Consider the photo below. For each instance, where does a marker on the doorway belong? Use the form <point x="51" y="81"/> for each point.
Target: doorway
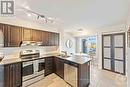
<point x="113" y="52"/>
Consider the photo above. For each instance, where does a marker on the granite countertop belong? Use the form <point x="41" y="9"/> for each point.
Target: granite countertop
<point x="76" y="59"/>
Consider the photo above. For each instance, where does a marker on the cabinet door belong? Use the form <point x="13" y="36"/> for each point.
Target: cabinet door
<point x="51" y="39"/>
<point x="7" y="81"/>
<point x="18" y="75"/>
<point x="27" y="34"/>
<point x="1" y="35"/>
<point x="37" y="35"/>
<point x="50" y="42"/>
<point x="14" y="36"/>
<point x="49" y="66"/>
<point x="45" y="38"/>
<point x="4" y="29"/>
<point x="59" y="67"/>
<point x="56" y="39"/>
<point x="12" y="75"/>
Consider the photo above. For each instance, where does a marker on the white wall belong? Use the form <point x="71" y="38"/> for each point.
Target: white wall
<point x="107" y="30"/>
<point x="98" y="32"/>
<point x="64" y="37"/>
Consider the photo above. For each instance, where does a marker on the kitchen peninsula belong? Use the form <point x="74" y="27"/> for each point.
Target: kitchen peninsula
<point x="75" y="67"/>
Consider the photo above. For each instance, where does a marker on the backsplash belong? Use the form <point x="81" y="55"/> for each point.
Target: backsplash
<point x="13" y="52"/>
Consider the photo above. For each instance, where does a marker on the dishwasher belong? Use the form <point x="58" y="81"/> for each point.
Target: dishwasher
<point x="71" y="73"/>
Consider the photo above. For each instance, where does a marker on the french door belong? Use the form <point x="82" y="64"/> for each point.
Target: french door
<point x="113" y="52"/>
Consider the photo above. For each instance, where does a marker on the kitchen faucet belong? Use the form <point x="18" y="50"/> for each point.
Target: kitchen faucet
<point x="65" y="53"/>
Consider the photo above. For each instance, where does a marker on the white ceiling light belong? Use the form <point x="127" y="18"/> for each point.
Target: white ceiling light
<point x="80" y="30"/>
<point x="27" y="7"/>
<point x="29" y="15"/>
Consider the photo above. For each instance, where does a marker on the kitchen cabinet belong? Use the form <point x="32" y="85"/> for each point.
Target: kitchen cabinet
<point x="56" y="35"/>
<point x="26" y="34"/>
<point x="14" y="36"/>
<point x="37" y="35"/>
<point x="12" y="75"/>
<point x="51" y="39"/>
<point x="1" y="35"/>
<point x="45" y="38"/>
<point x="59" y="67"/>
<point x="49" y="65"/>
<point x="4" y="29"/>
<point x="84" y="75"/>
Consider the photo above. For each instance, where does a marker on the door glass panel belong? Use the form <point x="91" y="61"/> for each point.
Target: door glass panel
<point x="118" y="40"/>
<point x="107" y="64"/>
<point x="107" y="41"/>
<point x="119" y="66"/>
<point x="119" y="53"/>
<point x="107" y="52"/>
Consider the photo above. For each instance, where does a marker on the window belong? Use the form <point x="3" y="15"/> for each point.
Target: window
<point x="89" y="45"/>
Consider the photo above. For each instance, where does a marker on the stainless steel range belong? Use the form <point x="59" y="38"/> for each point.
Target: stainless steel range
<point x="33" y="68"/>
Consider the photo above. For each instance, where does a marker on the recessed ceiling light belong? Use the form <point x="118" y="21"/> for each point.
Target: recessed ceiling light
<point x="27" y="7"/>
<point x="29" y="15"/>
<point x="50" y="18"/>
<point x="80" y="29"/>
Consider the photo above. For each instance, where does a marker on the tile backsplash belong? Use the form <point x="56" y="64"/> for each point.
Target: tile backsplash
<point x="13" y="52"/>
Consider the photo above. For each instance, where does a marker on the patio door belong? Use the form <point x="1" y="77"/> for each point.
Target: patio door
<point x="113" y="52"/>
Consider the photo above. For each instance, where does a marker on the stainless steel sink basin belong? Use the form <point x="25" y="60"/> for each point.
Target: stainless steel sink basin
<point x="62" y="56"/>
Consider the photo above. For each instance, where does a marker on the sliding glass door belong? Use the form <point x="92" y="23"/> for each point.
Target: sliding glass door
<point x="113" y="52"/>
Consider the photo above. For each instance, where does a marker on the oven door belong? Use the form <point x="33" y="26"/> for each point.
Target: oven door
<point x="28" y="70"/>
<point x="41" y="66"/>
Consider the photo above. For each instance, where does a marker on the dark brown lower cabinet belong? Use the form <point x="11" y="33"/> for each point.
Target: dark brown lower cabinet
<point x="56" y="65"/>
<point x="84" y="75"/>
<point x="49" y="65"/>
<point x="12" y="75"/>
<point x="59" y="67"/>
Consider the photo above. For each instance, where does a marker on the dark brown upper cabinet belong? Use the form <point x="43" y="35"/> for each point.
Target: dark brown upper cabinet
<point x="14" y="36"/>
<point x="51" y="38"/>
<point x="45" y="38"/>
<point x="2" y="27"/>
<point x="37" y="35"/>
<point x="56" y="39"/>
<point x="26" y="34"/>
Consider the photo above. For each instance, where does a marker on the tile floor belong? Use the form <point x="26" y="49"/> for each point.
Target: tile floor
<point x="99" y="78"/>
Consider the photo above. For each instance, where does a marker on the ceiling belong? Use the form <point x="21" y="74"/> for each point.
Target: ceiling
<point x="75" y="14"/>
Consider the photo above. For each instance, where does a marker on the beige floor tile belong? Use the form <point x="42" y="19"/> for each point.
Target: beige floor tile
<point x="99" y="78"/>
